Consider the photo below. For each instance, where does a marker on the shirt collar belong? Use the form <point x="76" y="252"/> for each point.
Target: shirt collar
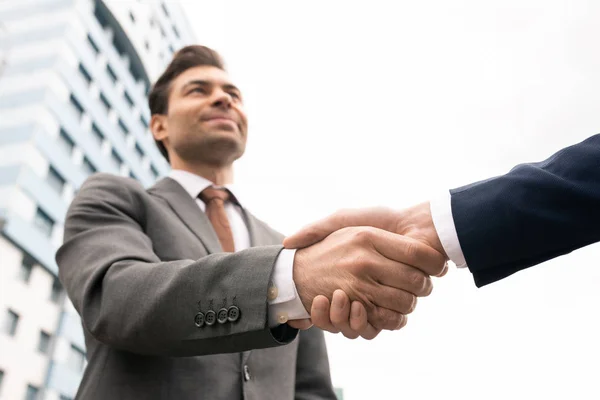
<point x="195" y="184"/>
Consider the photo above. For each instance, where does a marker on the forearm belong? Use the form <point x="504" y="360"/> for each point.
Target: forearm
<point x="142" y="305"/>
<point x="532" y="214"/>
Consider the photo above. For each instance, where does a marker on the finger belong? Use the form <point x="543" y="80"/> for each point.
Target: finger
<point x="444" y="271"/>
<point x="393" y="299"/>
<point x="385" y="319"/>
<point x="340" y="314"/>
<point x="382" y="218"/>
<point x="319" y="314"/>
<point x="402" y="276"/>
<point x="359" y="322"/>
<point x="302" y="324"/>
<point x="407" y="251"/>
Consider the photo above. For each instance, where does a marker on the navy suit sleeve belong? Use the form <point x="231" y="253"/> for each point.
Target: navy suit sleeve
<point x="534" y="213"/>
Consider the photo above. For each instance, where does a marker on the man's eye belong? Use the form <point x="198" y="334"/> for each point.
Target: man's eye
<point x="235" y="95"/>
<point x="198" y="90"/>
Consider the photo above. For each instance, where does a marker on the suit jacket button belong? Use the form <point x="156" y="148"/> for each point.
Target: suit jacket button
<point x="222" y="316"/>
<point x="210" y="317"/>
<point x="247" y="375"/>
<point x="199" y="320"/>
<point x="233" y="313"/>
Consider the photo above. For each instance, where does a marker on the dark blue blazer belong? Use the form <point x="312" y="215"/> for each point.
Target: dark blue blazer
<point x="534" y="213"/>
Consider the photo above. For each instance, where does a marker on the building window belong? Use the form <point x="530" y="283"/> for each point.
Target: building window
<point x="131" y="17"/>
<point x="154" y="171"/>
<point x="105" y="103"/>
<point x="111" y="74"/>
<point x="11" y="322"/>
<point x="56" y="291"/>
<point x="86" y="76"/>
<point x="55" y="181"/>
<point x="26" y="268"/>
<point x="66" y="142"/>
<point x="138" y="151"/>
<point x="171" y="49"/>
<point x="176" y="31"/>
<point x="97" y="134"/>
<point x="76" y="358"/>
<point x="132" y="176"/>
<point x="162" y="32"/>
<point x="43" y="222"/>
<point x="93" y="44"/>
<point x="44" y="342"/>
<point x="164" y="7"/>
<point x="76" y="106"/>
<point x="128" y="99"/>
<point x="1" y="378"/>
<point x="87" y="167"/>
<point x="122" y="127"/>
<point x="147" y="45"/>
<point x="116" y="159"/>
<point x="144" y="122"/>
<point x="64" y="397"/>
<point x="32" y="393"/>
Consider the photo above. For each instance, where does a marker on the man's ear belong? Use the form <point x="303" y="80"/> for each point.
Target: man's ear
<point x="158" y="127"/>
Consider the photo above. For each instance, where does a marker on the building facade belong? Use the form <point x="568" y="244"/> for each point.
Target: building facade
<point x="74" y="78"/>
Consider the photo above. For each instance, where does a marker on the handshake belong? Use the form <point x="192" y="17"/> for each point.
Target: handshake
<point x="361" y="271"/>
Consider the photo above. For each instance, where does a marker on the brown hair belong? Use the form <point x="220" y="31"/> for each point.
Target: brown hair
<point x="186" y="58"/>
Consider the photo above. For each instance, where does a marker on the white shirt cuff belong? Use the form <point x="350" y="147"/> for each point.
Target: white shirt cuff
<point x="441" y="214"/>
<point x="284" y="302"/>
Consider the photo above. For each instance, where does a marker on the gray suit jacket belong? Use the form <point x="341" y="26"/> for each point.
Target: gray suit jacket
<point x="139" y="265"/>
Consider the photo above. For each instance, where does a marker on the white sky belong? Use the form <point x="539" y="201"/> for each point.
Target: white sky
<point x="389" y="103"/>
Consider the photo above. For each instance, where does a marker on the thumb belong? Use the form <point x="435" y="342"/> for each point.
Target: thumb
<point x="302" y="324"/>
<point x="312" y="233"/>
<point x="303" y="238"/>
<point x="382" y="218"/>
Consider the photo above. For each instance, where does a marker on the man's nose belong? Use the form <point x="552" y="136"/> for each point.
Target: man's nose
<point x="222" y="99"/>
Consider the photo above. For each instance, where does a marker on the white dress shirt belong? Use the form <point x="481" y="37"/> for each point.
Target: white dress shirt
<point x="441" y="213"/>
<point x="283" y="299"/>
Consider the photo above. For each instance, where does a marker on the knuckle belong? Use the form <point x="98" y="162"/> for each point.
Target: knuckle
<point x="362" y="235"/>
<point x="387" y="319"/>
<point x="417" y="281"/>
<point x="411" y="250"/>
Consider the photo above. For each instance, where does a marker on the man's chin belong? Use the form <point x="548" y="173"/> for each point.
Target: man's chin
<point x="217" y="148"/>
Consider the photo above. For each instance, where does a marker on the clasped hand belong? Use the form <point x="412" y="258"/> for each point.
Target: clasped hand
<point x="361" y="271"/>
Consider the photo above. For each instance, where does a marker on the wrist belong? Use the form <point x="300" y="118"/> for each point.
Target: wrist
<point x="299" y="277"/>
<point x="416" y="222"/>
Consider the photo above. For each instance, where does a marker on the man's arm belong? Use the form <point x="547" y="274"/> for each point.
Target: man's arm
<point x="534" y="213"/>
<point x="313" y="381"/>
<point x="505" y="224"/>
<point x="130" y="299"/>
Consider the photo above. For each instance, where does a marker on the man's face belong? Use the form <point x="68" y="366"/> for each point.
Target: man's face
<point x="205" y="121"/>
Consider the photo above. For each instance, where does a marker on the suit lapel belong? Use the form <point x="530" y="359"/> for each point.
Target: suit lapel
<point x="187" y="210"/>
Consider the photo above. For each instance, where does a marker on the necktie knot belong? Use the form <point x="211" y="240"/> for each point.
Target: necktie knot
<point x="211" y="193"/>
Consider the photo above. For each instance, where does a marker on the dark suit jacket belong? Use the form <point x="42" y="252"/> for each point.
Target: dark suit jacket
<point x="139" y="265"/>
<point x="532" y="214"/>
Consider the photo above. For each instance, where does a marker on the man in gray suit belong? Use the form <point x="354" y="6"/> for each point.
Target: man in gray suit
<point x="184" y="294"/>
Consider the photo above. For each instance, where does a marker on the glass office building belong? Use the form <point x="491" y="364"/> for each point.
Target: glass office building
<point x="74" y="75"/>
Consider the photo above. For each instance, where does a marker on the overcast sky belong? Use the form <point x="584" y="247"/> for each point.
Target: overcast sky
<point x="390" y="103"/>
